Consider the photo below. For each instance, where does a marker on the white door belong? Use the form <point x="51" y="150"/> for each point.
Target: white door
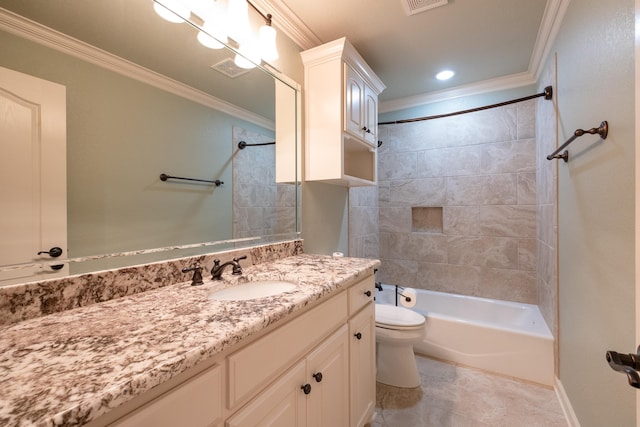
<point x="33" y="191"/>
<point x="637" y="190"/>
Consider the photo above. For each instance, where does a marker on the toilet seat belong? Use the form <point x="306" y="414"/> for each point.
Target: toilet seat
<point x="398" y="318"/>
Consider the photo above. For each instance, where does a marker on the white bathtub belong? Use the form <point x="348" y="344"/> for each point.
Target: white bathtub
<point x="499" y="336"/>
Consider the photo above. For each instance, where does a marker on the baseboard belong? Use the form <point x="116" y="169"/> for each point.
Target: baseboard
<point x="565" y="403"/>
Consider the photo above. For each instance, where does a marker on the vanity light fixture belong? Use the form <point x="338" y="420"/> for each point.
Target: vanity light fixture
<point x="445" y="75"/>
<point x="223" y="23"/>
<point x="239" y="27"/>
<point x="264" y="47"/>
<point x="172" y="10"/>
<point x="214" y="30"/>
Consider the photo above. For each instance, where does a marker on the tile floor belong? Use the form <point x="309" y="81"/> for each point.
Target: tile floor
<point x="454" y="396"/>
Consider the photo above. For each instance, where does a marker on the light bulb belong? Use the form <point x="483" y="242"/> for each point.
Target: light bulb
<point x="212" y="36"/>
<point x="239" y="28"/>
<point x="172" y="11"/>
<point x="445" y="75"/>
<point x="248" y="55"/>
<point x="267" y="42"/>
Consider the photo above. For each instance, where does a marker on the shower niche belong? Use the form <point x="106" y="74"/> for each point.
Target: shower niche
<point x="426" y="219"/>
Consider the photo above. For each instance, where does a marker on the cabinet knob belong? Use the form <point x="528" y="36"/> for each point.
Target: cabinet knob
<point x="358" y="335"/>
<point x="306" y="388"/>
<point x="318" y="376"/>
<point x="368" y="293"/>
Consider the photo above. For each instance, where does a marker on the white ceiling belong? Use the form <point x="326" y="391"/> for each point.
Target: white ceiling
<point x="481" y="40"/>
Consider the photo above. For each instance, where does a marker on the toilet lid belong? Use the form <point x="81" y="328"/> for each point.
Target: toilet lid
<point x="390" y="315"/>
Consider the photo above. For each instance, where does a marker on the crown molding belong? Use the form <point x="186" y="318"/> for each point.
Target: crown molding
<point x="38" y="33"/>
<point x="289" y="23"/>
<point x="552" y="19"/>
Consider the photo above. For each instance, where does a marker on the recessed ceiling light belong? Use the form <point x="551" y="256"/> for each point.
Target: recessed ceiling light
<point x="445" y="75"/>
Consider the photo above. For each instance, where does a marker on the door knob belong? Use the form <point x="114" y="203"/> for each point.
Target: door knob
<point x="626" y="363"/>
<point x="54" y="252"/>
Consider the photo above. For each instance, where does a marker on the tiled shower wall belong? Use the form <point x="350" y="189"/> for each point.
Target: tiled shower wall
<point x="364" y="237"/>
<point x="457" y="204"/>
<point x="260" y="206"/>
<point x="547" y="179"/>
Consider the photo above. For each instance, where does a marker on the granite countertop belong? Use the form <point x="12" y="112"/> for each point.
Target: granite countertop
<point x="68" y="368"/>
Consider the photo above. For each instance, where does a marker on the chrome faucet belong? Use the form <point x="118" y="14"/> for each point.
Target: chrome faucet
<point x="216" y="271"/>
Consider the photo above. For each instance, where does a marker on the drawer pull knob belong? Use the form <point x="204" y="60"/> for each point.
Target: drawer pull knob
<point x="368" y="293"/>
<point x="318" y="376"/>
<point x="358" y="335"/>
<point x="306" y="388"/>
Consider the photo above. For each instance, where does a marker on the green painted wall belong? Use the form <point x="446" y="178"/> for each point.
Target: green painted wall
<point x="121" y="134"/>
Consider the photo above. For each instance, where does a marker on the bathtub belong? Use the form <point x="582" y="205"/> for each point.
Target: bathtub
<point x="503" y="337"/>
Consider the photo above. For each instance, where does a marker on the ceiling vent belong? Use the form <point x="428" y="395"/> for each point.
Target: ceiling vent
<point x="411" y="7"/>
<point x="229" y="68"/>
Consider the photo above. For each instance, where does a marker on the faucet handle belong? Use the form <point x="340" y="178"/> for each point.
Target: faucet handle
<point x="237" y="268"/>
<point x="196" y="280"/>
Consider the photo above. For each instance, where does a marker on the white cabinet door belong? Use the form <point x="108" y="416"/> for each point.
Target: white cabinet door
<point x="362" y="364"/>
<point x="283" y="404"/>
<point x="328" y="375"/>
<point x="354" y="94"/>
<point x="195" y="403"/>
<point x="361" y="108"/>
<point x="370" y="116"/>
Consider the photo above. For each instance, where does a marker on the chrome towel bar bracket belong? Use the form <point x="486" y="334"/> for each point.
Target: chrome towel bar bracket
<point x="602" y="130"/>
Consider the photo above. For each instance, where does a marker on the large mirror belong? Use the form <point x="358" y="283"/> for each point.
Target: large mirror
<point x="142" y="98"/>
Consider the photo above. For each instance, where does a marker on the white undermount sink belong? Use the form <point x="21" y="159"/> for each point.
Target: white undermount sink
<point x="253" y="290"/>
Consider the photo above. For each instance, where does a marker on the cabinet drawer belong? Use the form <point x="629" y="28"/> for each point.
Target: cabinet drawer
<point x="196" y="402"/>
<point x="252" y="367"/>
<point x="360" y="294"/>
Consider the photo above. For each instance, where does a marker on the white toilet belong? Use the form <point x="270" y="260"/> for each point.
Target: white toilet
<point x="397" y="329"/>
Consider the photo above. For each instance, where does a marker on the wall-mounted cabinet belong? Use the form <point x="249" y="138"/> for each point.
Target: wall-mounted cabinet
<point x="341" y="112"/>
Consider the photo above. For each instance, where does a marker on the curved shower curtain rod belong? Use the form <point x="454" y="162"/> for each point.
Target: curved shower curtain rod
<point x="548" y="94"/>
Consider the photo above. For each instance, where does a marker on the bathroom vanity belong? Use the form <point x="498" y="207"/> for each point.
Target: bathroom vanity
<point x="177" y="356"/>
